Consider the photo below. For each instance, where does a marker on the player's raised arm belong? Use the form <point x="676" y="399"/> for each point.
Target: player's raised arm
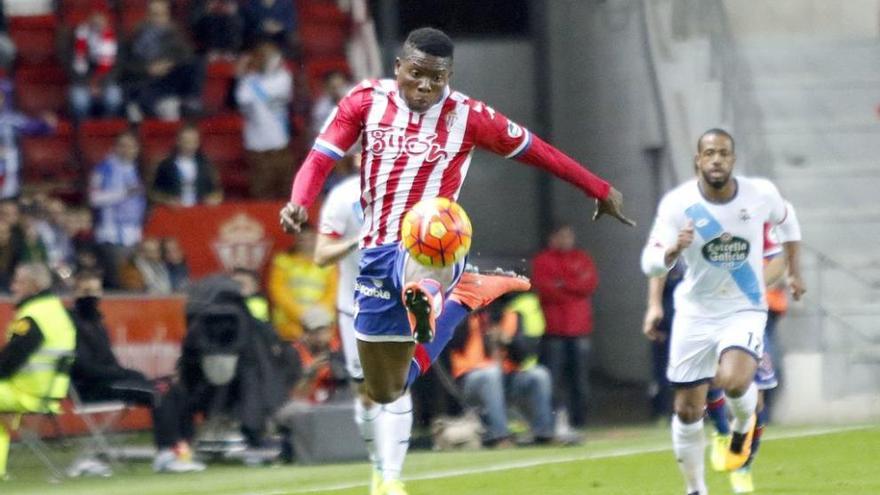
<point x="339" y="133"/>
<point x="495" y="132"/>
<point x="665" y="242"/>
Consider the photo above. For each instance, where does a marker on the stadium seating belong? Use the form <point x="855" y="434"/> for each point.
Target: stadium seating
<point x="95" y="139"/>
<point x="322" y="40"/>
<point x="157" y="139"/>
<point x="218" y="84"/>
<point x="74" y="12"/>
<point x="131" y="14"/>
<point x="49" y="163"/>
<point x="316" y="70"/>
<point x="41" y="89"/>
<point x="222" y="144"/>
<point x="34" y="37"/>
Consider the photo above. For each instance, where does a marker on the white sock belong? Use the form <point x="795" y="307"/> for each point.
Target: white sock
<point x="392" y="439"/>
<point x="689" y="445"/>
<point x="367" y="419"/>
<point x="742" y="409"/>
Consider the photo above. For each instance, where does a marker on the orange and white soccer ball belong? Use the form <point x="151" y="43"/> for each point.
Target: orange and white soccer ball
<point x="436" y="232"/>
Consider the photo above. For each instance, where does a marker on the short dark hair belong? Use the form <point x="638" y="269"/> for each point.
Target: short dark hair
<point x="719" y="131"/>
<point x="431" y="41"/>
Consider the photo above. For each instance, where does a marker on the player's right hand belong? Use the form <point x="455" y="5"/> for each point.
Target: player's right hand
<point x="685" y="237"/>
<point x="653" y="315"/>
<point x="613" y="206"/>
<point x="293" y="216"/>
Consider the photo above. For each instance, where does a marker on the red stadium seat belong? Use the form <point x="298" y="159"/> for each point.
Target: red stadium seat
<point x="34" y="37"/>
<point x="95" y="138"/>
<point x="321" y="12"/>
<point x="218" y="84"/>
<point x="222" y="144"/>
<point x="322" y="40"/>
<point x="157" y="139"/>
<point x="221" y="138"/>
<point x="49" y="162"/>
<point x="74" y="12"/>
<point x="131" y="14"/>
<point x="316" y="70"/>
<point x="41" y="88"/>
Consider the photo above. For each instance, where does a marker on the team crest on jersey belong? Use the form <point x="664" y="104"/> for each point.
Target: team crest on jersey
<point x="727" y="251"/>
<point x="451" y="117"/>
<point x="744" y="215"/>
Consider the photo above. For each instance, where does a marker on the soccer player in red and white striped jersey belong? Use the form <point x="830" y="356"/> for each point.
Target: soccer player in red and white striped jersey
<point x="417" y="137"/>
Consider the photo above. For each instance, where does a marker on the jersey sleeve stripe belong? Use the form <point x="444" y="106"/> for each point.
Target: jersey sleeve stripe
<point x="328" y="149"/>
<point x="523" y="146"/>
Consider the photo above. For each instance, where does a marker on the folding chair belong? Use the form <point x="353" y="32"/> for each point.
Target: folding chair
<point x="49" y="408"/>
<point x="100" y="417"/>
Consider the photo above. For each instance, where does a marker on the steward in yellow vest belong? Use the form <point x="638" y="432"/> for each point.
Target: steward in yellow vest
<point x="41" y="333"/>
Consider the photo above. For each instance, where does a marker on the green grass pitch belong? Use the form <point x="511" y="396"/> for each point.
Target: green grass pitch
<point x="631" y="461"/>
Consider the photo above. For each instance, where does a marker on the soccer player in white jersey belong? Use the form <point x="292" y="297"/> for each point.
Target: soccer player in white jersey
<point x="716" y="224"/>
<point x="385" y="428"/>
<point x="418" y="137"/>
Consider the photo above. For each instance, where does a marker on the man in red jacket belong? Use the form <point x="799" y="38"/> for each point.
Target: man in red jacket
<point x="565" y="278"/>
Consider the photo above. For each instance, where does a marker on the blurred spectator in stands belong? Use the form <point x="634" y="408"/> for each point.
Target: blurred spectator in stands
<point x="10" y="254"/>
<point x="175" y="262"/>
<point x="33" y="249"/>
<point x="28" y="7"/>
<point x="117" y="194"/>
<point x="487" y="387"/>
<point x="296" y="284"/>
<point x="163" y="77"/>
<point x="218" y="28"/>
<point x="565" y="278"/>
<point x="256" y="302"/>
<point x="94" y="88"/>
<point x="186" y="178"/>
<point x="362" y="51"/>
<point x="270" y="20"/>
<point x="53" y="230"/>
<point x="263" y="93"/>
<point x="7" y="46"/>
<point x="320" y="358"/>
<point x="335" y="85"/>
<point x="98" y="376"/>
<point x="12" y="125"/>
<point x="146" y="271"/>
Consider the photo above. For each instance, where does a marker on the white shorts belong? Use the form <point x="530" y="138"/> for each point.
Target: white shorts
<point x="697" y="344"/>
<point x="349" y="346"/>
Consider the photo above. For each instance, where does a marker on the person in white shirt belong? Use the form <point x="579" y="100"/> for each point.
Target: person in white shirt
<point x="263" y="93"/>
<point x="715" y="223"/>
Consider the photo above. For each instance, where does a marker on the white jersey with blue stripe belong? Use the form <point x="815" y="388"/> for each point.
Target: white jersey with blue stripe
<point x="725" y="262"/>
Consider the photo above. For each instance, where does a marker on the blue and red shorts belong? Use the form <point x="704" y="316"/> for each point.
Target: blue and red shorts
<point x="380" y="315"/>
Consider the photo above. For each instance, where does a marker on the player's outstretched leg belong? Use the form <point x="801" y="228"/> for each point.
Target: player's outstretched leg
<point x="736" y="373"/>
<point x="716" y="410"/>
<point x="473" y="291"/>
<point x="688" y="439"/>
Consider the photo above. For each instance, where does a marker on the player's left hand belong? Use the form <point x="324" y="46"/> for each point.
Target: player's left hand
<point x="796" y="286"/>
<point x="613" y="206"/>
<point x="293" y="216"/>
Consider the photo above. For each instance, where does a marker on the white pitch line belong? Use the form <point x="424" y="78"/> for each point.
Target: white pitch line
<point x="544" y="461"/>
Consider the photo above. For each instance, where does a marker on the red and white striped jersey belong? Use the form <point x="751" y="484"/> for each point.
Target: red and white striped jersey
<point x="409" y="156"/>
